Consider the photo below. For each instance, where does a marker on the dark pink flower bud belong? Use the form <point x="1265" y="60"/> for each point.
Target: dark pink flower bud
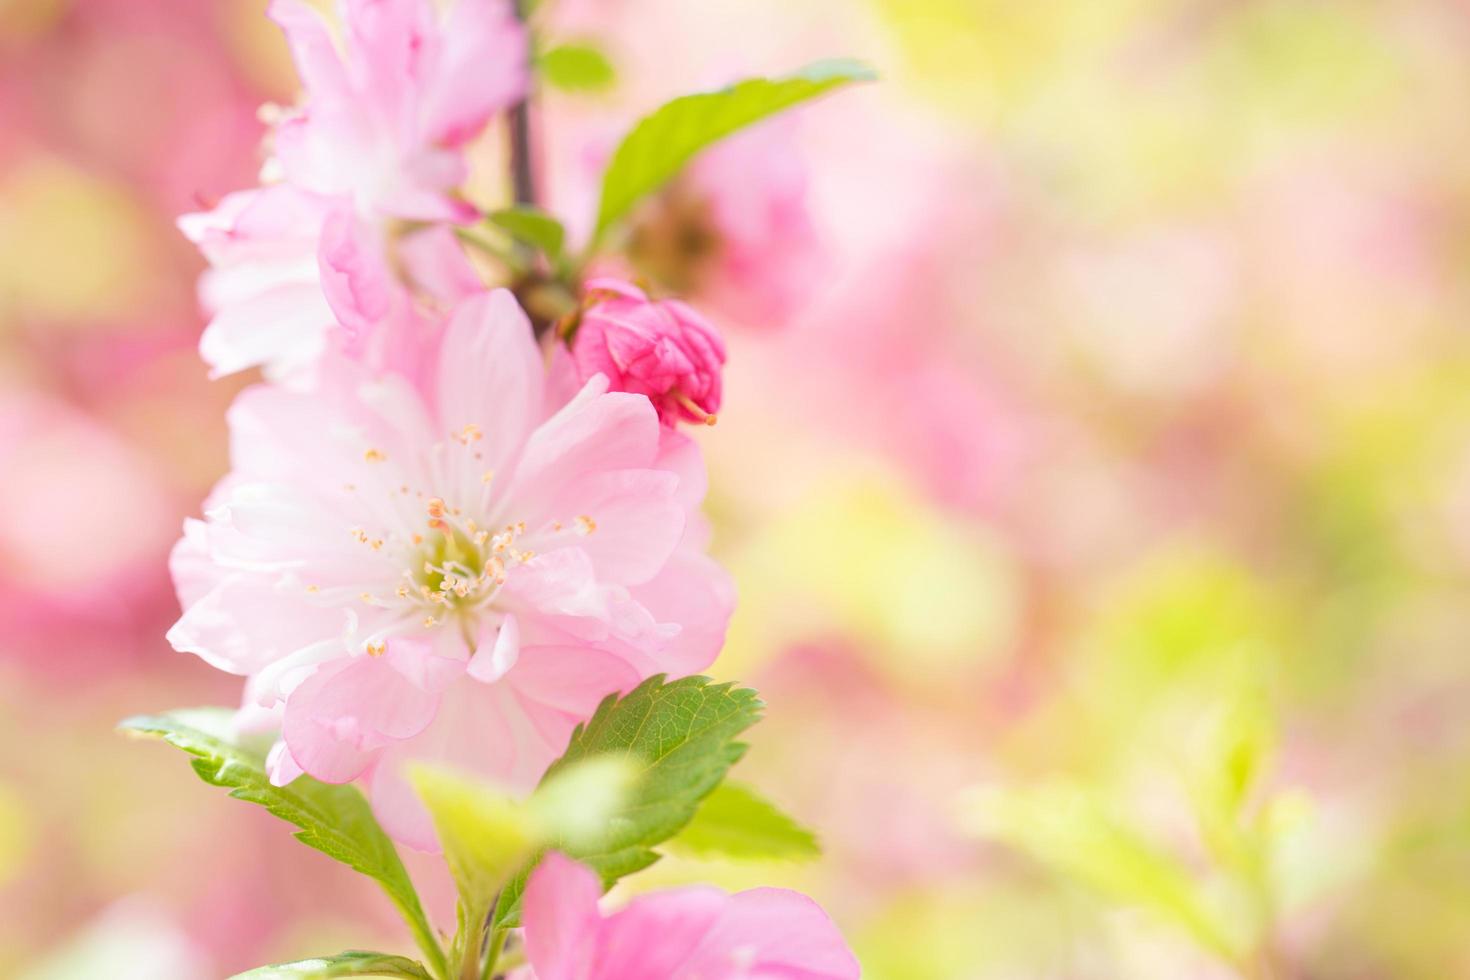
<point x="659" y="348"/>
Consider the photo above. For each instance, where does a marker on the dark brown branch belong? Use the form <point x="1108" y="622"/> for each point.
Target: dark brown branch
<point x="522" y="170"/>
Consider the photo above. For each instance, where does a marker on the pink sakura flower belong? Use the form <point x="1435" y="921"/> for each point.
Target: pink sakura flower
<point x="379" y="137"/>
<point x="385" y="119"/>
<point x="458" y="569"/>
<point x="696" y="933"/>
<point x="662" y="349"/>
<point x="734" y="230"/>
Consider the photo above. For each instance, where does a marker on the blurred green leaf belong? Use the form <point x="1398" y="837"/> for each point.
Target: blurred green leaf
<point x="682" y="736"/>
<point x="487" y="835"/>
<point x="577" y="67"/>
<point x="737" y="822"/>
<point x="1069" y="830"/>
<point x="531" y="226"/>
<point x="661" y="143"/>
<point x="1233" y="748"/>
<point x="354" y="963"/>
<point x="335" y="820"/>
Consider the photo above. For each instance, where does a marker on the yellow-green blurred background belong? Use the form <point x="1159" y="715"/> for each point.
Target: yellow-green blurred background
<point x="1102" y="527"/>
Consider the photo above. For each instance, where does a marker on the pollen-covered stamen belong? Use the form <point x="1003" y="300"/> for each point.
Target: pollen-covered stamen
<point x="460" y="565"/>
<point x="689" y="405"/>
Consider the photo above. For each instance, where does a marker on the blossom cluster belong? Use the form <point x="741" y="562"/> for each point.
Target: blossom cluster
<point x="447" y="533"/>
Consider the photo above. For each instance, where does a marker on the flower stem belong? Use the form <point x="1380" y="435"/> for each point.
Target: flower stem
<point x="492" y="955"/>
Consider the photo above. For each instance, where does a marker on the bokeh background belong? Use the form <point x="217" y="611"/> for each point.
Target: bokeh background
<point x="1100" y="506"/>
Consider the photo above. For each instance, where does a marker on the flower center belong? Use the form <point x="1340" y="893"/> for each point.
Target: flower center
<point x="461" y="565"/>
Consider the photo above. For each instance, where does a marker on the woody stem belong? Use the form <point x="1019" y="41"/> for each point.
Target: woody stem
<point x="522" y="173"/>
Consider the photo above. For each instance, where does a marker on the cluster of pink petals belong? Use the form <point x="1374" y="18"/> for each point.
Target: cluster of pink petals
<point x="454" y="563"/>
<point x="662" y="349"/>
<point x="683" y="934"/>
<point x="379" y="137"/>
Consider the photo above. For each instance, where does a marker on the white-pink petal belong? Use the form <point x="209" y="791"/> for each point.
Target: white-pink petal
<point x="496" y="651"/>
<point x="490" y="383"/>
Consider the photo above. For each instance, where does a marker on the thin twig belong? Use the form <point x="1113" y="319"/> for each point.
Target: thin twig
<point x="522" y="171"/>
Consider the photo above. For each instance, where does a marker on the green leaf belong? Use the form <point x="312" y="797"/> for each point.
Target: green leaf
<point x="335" y="820"/>
<point x="737" y="822"/>
<point x="577" y="67"/>
<point x="531" y="226"/>
<point x="354" y="963"/>
<point x="682" y="735"/>
<point x="660" y="144"/>
<point x="488" y="835"/>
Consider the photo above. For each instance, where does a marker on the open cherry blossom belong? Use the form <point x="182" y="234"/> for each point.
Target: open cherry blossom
<point x="458" y="569"/>
<point x="377" y="140"/>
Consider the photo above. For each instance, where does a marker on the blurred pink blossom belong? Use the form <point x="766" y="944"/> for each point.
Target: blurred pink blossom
<point x="379" y="138"/>
<point x="660" y="348"/>
<point x="696" y="933"/>
<point x="458" y="571"/>
<point x="385" y="119"/>
<point x="85" y="525"/>
<point x="734" y="231"/>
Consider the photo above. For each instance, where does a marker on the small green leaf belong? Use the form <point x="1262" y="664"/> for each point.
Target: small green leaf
<point x="577" y="67"/>
<point x="487" y="835"/>
<point x="354" y="963"/>
<point x="531" y="226"/>
<point x="682" y="735"/>
<point x="335" y="820"/>
<point x="737" y="822"/>
<point x="661" y="143"/>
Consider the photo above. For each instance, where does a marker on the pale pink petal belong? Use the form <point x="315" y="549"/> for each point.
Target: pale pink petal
<point x="562" y="382"/>
<point x="626" y="521"/>
<point x="194" y="575"/>
<point x="265" y="224"/>
<point x="320" y="740"/>
<point x="355" y="278"/>
<point x="312" y="49"/>
<point x="280" y="766"/>
<point x="496" y="651"/>
<point x="682" y="456"/>
<point x="490" y="378"/>
<point x="562" y="924"/>
<point x="474" y="730"/>
<point x="285" y="326"/>
<point x="278" y="435"/>
<point x="656" y="934"/>
<point x="693" y="591"/>
<point x="610" y="431"/>
<point x="776" y="934"/>
<point x="389" y="41"/>
<point x="278" y="526"/>
<point x="481" y="68"/>
<point x="428" y="200"/>
<point x="559" y="591"/>
<point x="561" y="686"/>
<point x="245" y="622"/>
<point x="435" y="260"/>
<point x="347" y="710"/>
